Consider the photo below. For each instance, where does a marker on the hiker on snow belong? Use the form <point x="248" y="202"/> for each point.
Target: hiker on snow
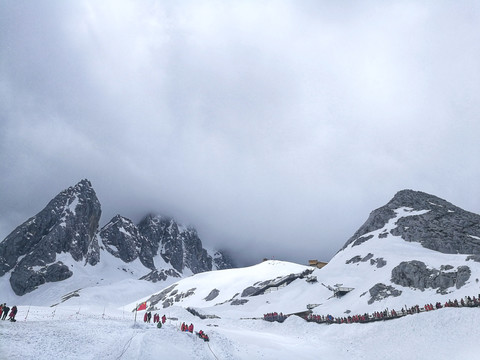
<point x="145" y="317"/>
<point x="11" y="317"/>
<point x="5" y="311"/>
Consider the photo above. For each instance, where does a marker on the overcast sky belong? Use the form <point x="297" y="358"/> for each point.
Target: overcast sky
<point x="273" y="127"/>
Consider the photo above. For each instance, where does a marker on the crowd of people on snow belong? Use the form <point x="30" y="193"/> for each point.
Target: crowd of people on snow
<point x="189" y="328"/>
<point x="156" y="318"/>
<point x="203" y="336"/>
<point x="392" y="314"/>
<point x="184" y="327"/>
<point x="4" y="309"/>
<point x="274" y="316"/>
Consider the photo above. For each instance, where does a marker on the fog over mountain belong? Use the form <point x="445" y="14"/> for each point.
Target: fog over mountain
<point x="273" y="128"/>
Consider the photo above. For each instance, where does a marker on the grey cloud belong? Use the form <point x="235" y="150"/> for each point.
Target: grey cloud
<point x="274" y="128"/>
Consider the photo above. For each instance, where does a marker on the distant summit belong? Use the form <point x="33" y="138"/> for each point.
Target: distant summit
<point x="68" y="224"/>
<point x="67" y="231"/>
<point x="441" y="226"/>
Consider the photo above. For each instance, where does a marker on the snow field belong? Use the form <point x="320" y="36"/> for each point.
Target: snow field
<point x="449" y="333"/>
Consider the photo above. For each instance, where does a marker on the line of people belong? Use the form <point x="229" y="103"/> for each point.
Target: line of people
<point x="274" y="316"/>
<point x="189" y="328"/>
<point x="392" y="314"/>
<point x="4" y="309"/>
<point x="156" y="318"/>
<point x="203" y="336"/>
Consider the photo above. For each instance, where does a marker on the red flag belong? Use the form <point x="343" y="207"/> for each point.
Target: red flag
<point x="142" y="306"/>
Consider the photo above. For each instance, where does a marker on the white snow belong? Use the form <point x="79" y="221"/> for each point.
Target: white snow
<point x="80" y="333"/>
<point x="97" y="321"/>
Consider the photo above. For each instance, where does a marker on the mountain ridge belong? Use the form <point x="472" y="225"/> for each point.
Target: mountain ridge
<point x="69" y="224"/>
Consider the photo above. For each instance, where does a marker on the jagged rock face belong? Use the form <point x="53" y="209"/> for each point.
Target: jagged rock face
<point x="222" y="260"/>
<point x="179" y="246"/>
<point x="122" y="239"/>
<point x="161" y="275"/>
<point x="68" y="224"/>
<point x="444" y="227"/>
<point x="381" y="291"/>
<point x="415" y="274"/>
<point x="164" y="232"/>
<point x="212" y="295"/>
<point x="196" y="257"/>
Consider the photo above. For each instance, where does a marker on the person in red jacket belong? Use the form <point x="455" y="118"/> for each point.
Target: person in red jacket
<point x="164" y="318"/>
<point x="183" y="327"/>
<point x="190" y="328"/>
<point x="145" y="317"/>
<point x="11" y="317"/>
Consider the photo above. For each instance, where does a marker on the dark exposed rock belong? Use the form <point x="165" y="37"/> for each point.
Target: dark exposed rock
<point x="195" y="312"/>
<point x="463" y="274"/>
<point x="222" y="260"/>
<point x="367" y="257"/>
<point x="415" y="274"/>
<point x="122" y="239"/>
<point x="249" y="291"/>
<point x="381" y="262"/>
<point x="160" y="275"/>
<point x="354" y="260"/>
<point x="167" y="303"/>
<point x="163" y="233"/>
<point x="178" y="245"/>
<point x="361" y="240"/>
<point x="239" y="302"/>
<point x="443" y="227"/>
<point x="261" y="287"/>
<point x="212" y="295"/>
<point x="161" y="296"/>
<point x="57" y="272"/>
<point x="26" y="280"/>
<point x="169" y="296"/>
<point x="474" y="258"/>
<point x="381" y="291"/>
<point x="68" y="224"/>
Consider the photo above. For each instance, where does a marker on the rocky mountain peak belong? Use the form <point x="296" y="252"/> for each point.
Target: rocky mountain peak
<point x="68" y="224"/>
<point x="418" y="200"/>
<point x="435" y="223"/>
<point x="121" y="238"/>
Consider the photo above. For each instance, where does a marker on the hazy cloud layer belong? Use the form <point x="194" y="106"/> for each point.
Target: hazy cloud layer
<point x="274" y="127"/>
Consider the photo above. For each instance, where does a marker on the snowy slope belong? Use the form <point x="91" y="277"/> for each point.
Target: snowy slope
<point x="233" y="299"/>
<point x="81" y="334"/>
<point x="111" y="282"/>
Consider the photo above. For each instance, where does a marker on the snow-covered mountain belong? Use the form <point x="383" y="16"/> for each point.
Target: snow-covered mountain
<point x="63" y="244"/>
<point x="417" y="249"/>
<point x="390" y="262"/>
